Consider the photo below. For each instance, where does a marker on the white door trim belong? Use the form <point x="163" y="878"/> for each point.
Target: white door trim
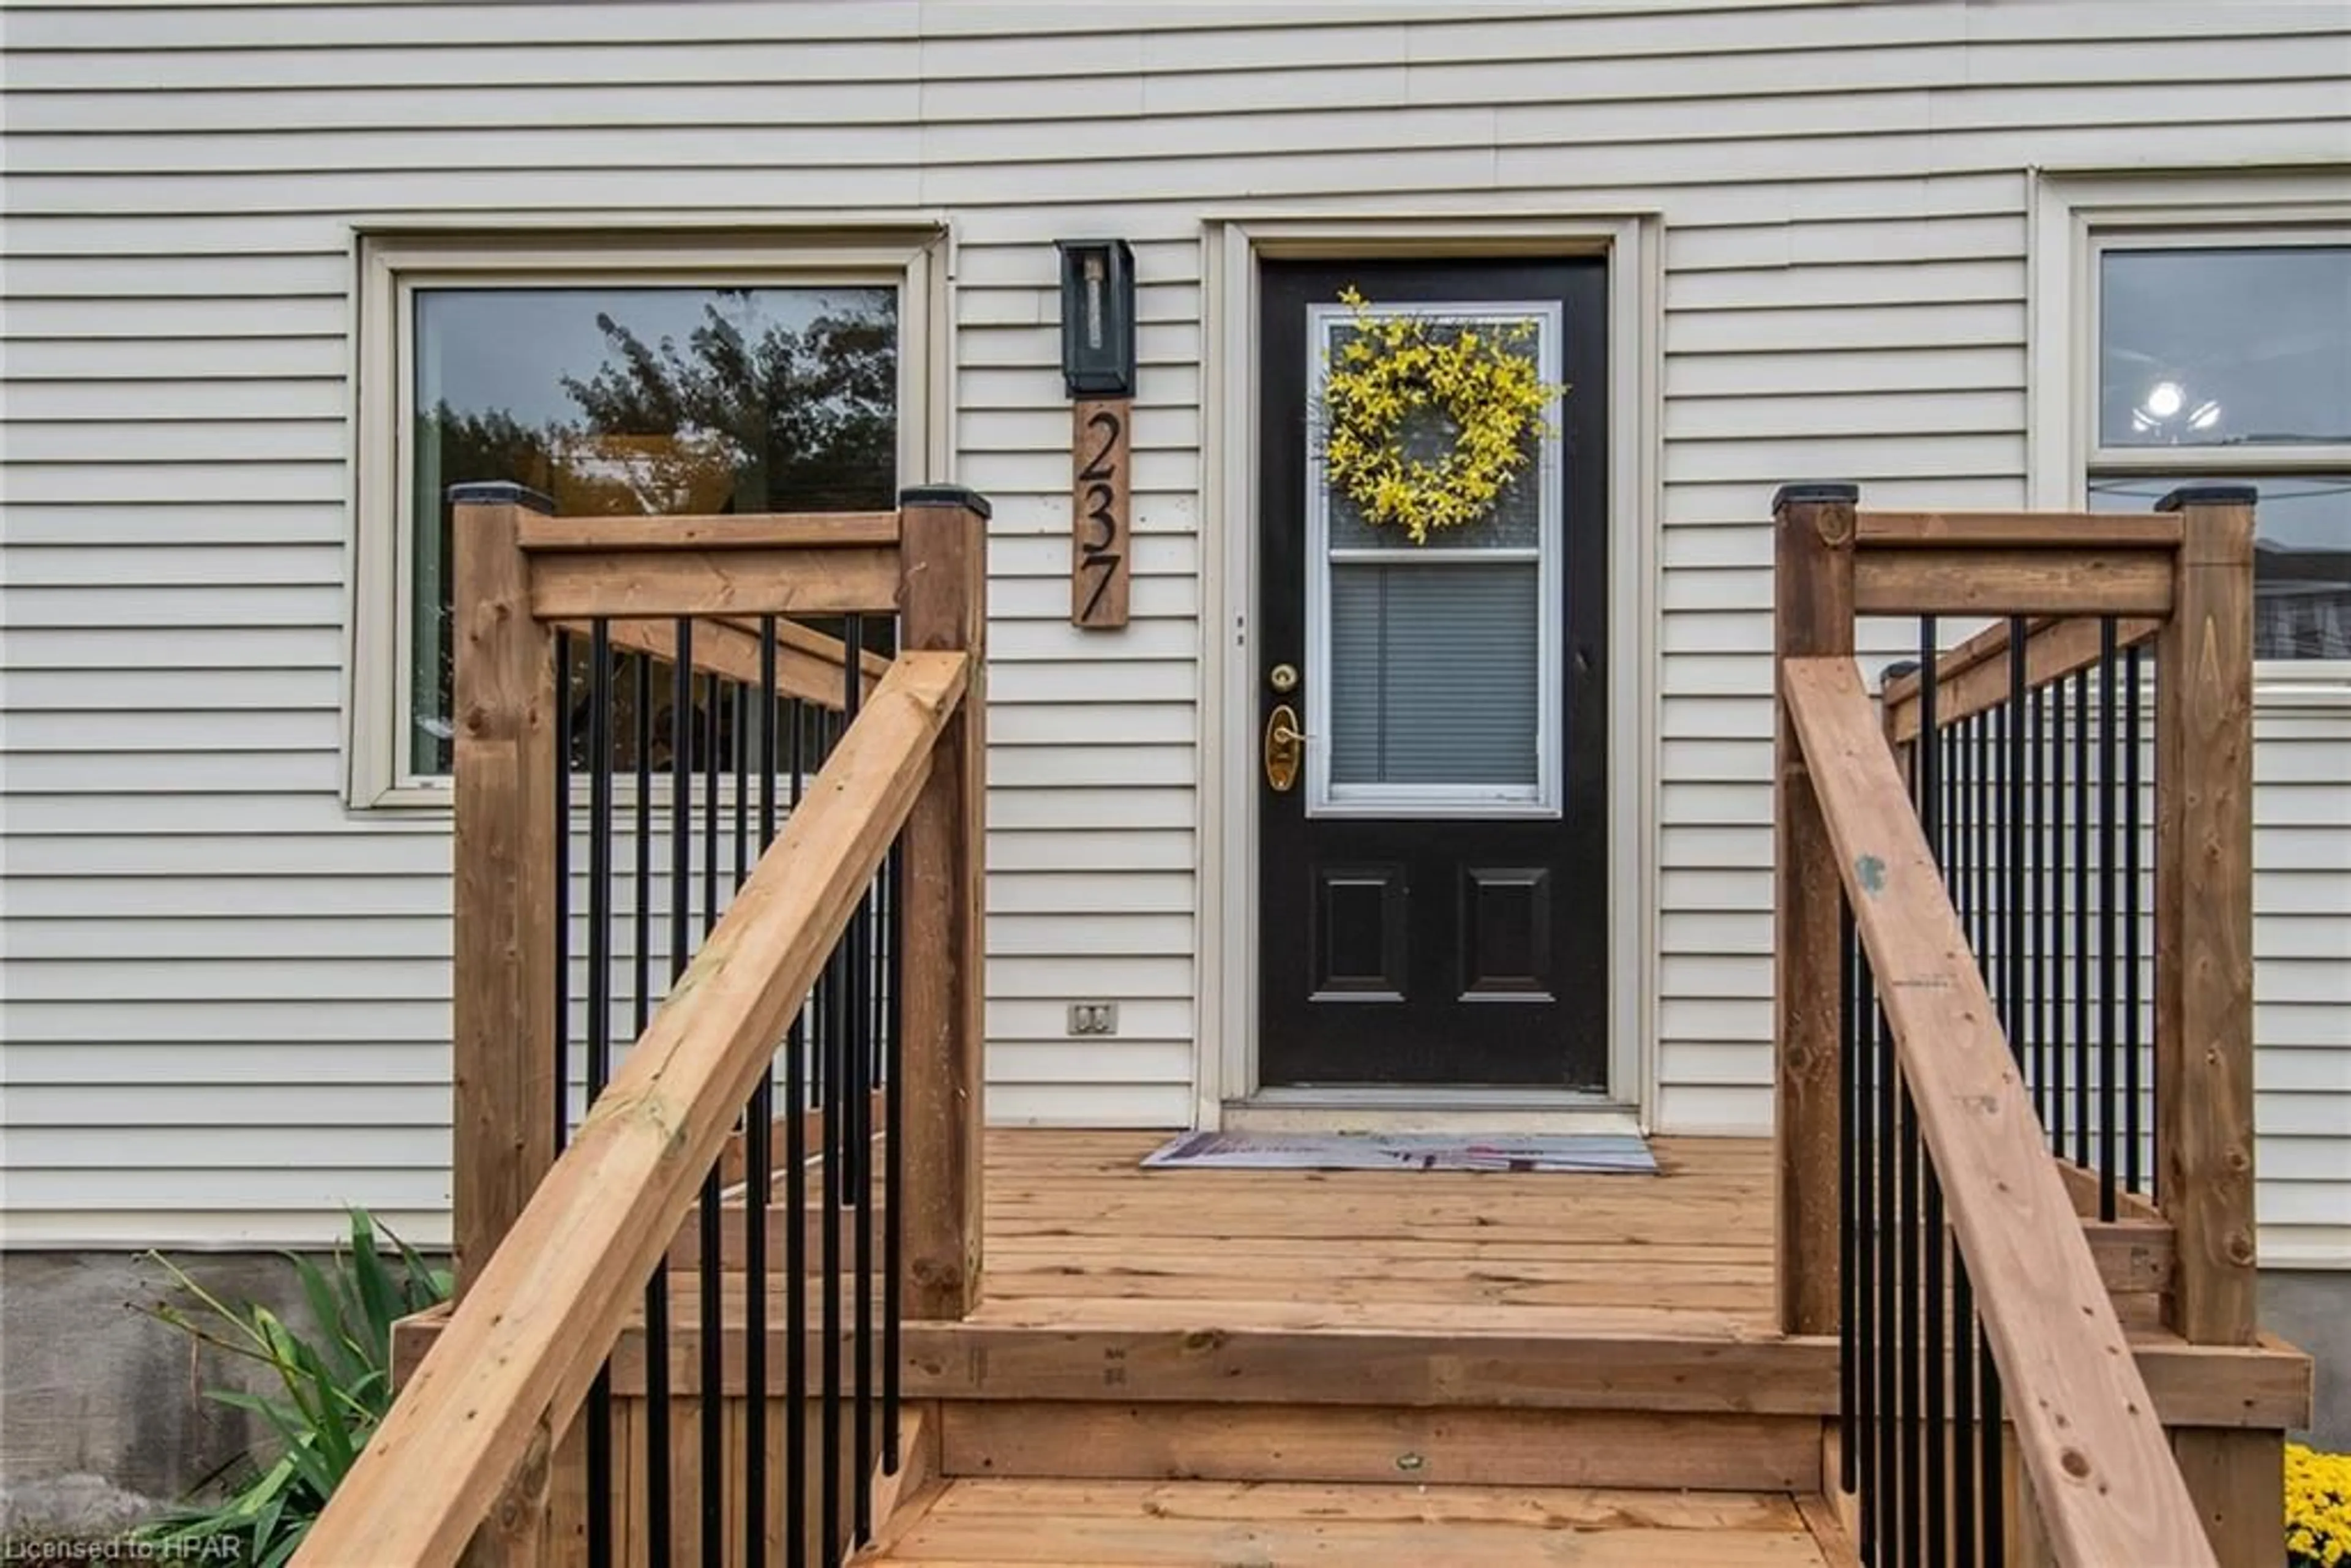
<point x="1225" y="1027"/>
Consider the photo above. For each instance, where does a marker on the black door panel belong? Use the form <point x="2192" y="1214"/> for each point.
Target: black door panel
<point x="1454" y="949"/>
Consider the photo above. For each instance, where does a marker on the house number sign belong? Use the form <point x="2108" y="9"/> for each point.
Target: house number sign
<point x="1101" y="491"/>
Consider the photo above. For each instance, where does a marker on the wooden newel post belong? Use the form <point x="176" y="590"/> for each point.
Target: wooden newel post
<point x="942" y="605"/>
<point x="1812" y="618"/>
<point x="2204" y="992"/>
<point x="2204" y="915"/>
<point x="504" y="983"/>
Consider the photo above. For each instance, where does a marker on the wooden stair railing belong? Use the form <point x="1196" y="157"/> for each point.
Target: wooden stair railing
<point x="559" y="1251"/>
<point x="2103" y="1482"/>
<point x="1883" y="899"/>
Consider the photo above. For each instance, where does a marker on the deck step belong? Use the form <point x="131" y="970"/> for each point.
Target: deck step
<point x="970" y="1523"/>
<point x="1104" y="1440"/>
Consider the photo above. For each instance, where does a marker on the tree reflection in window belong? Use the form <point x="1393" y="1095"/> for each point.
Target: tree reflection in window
<point x="634" y="400"/>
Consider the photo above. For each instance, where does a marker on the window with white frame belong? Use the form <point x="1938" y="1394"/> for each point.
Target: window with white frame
<point x="1444" y="700"/>
<point x="697" y="376"/>
<point x="2214" y="342"/>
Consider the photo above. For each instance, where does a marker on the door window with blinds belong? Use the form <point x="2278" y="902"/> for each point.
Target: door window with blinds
<point x="1438" y="664"/>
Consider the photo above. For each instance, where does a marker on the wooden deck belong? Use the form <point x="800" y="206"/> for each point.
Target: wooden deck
<point x="1220" y="1297"/>
<point x="1292" y="1366"/>
<point x="1142" y="1523"/>
<point x="1077" y="1230"/>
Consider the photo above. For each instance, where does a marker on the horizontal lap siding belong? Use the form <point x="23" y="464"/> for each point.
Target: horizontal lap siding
<point x="208" y="948"/>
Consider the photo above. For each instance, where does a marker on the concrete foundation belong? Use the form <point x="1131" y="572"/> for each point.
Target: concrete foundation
<point x="103" y="1420"/>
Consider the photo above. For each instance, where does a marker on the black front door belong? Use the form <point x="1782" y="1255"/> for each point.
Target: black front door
<point x="1433" y="888"/>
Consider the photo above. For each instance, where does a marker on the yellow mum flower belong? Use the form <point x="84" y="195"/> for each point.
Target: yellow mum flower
<point x="2317" y="1506"/>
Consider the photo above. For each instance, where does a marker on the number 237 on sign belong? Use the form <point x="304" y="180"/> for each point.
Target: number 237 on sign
<point x="1101" y="556"/>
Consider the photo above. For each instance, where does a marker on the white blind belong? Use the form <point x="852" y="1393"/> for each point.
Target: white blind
<point x="1432" y="672"/>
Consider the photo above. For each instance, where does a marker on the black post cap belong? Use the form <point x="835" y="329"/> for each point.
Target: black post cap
<point x="499" y="493"/>
<point x="2208" y="495"/>
<point x="1896" y="670"/>
<point x="945" y="495"/>
<point x="1815" y="490"/>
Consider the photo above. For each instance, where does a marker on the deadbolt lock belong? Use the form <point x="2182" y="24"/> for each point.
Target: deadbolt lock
<point x="1282" y="678"/>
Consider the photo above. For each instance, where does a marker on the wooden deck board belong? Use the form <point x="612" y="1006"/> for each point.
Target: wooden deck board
<point x="1077" y="1229"/>
<point x="1106" y="1280"/>
<point x="978" y="1522"/>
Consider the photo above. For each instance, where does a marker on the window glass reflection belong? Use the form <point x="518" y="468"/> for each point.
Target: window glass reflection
<point x="2224" y="348"/>
<point x="619" y="400"/>
<point x="2302" y="556"/>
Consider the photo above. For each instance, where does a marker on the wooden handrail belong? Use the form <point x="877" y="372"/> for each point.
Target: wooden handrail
<point x="1968" y="579"/>
<point x="2102" y="1474"/>
<point x="759" y="530"/>
<point x="807" y="663"/>
<point x="2016" y="530"/>
<point x="479" y="1423"/>
<point x="637" y="583"/>
<point x="1973" y="677"/>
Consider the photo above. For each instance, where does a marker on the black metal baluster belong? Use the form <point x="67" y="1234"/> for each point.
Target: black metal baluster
<point x="2132" y="1042"/>
<point x="1990" y="1440"/>
<point x="2036" y="1000"/>
<point x="1995" y="855"/>
<point x="759" y="1141"/>
<point x="1963" y="1411"/>
<point x="2013" y="805"/>
<point x="1983" y="794"/>
<point x="1889" y="1240"/>
<point x="1860" y="1044"/>
<point x="1927" y="763"/>
<point x="859" y="1167"/>
<point x="600" y="1034"/>
<point x="741" y="748"/>
<point x="2109" y="911"/>
<point x="1848" y="1206"/>
<point x="657" y="1385"/>
<point x="1936" y="1370"/>
<point x="2082" y="919"/>
<point x="1930" y="1356"/>
<point x="562" y="1021"/>
<point x="714" y="697"/>
<point x="1910" y="1333"/>
<point x="2055" y="1115"/>
<point x="1961" y="868"/>
<point x="641" y="668"/>
<point x="893" y="1150"/>
<point x="796" y="1097"/>
<point x="681" y="800"/>
<point x="689" y="747"/>
<point x="833" y="1052"/>
<point x="1948" y="814"/>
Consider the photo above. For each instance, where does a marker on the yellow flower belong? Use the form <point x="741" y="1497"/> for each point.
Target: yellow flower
<point x="2317" y="1506"/>
<point x="1486" y="385"/>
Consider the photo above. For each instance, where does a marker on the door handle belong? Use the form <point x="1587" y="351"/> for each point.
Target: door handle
<point x="1285" y="748"/>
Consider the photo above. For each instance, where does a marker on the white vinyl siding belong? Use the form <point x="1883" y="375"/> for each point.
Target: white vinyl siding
<point x="227" y="994"/>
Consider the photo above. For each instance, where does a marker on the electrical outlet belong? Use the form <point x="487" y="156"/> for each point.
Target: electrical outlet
<point x="1094" y="1018"/>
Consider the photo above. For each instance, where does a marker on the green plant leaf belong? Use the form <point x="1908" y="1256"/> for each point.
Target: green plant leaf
<point x="283" y="1552"/>
<point x="349" y="1359"/>
<point x="333" y="1386"/>
<point x="374" y="1284"/>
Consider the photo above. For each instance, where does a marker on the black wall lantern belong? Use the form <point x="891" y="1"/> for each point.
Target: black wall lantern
<point x="1097" y="317"/>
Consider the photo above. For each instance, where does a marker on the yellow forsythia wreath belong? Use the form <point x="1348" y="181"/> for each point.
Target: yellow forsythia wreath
<point x="2317" y="1508"/>
<point x="1481" y="380"/>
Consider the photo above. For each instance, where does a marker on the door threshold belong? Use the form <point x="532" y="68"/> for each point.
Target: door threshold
<point x="1414" y="1109"/>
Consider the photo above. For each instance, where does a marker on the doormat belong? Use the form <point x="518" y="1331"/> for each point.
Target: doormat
<point x="1578" y="1154"/>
